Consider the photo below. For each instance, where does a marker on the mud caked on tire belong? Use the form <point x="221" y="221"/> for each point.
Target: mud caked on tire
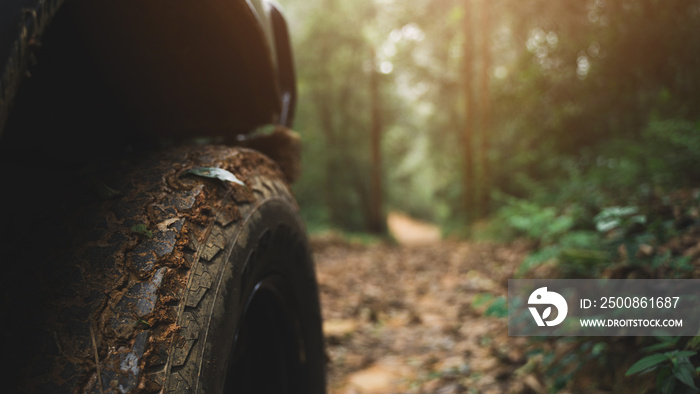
<point x="180" y="283"/>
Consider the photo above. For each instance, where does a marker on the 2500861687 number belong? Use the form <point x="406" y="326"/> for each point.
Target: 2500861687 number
<point x="639" y="302"/>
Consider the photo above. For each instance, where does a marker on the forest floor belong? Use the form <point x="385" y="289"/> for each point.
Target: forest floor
<point x="404" y="317"/>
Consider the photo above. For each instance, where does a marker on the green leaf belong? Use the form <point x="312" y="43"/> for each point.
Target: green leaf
<point x="612" y="217"/>
<point x="684" y="372"/>
<point x="666" y="343"/>
<point x="541" y="256"/>
<point x="646" y="363"/>
<point x="599" y="348"/>
<point x="481" y="299"/>
<point x="142" y="229"/>
<point x="664" y="379"/>
<point x="667" y="383"/>
<point x="143" y="323"/>
<point x="499" y="308"/>
<point x="685" y="353"/>
<point x="213" y="172"/>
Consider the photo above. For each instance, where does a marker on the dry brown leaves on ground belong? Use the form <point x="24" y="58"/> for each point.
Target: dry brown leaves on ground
<point x="401" y="318"/>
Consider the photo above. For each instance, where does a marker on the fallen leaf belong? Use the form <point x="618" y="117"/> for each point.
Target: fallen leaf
<point x="163" y="226"/>
<point x="213" y="172"/>
<point x="142" y="229"/>
<point x="338" y="328"/>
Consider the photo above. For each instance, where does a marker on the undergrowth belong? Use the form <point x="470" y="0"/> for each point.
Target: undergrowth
<point x="631" y="211"/>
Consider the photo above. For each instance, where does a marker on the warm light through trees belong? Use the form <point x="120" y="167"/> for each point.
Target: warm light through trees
<point x="478" y="97"/>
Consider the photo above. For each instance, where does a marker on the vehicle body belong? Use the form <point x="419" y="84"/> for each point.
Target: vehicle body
<point x="85" y="87"/>
<point x="214" y="69"/>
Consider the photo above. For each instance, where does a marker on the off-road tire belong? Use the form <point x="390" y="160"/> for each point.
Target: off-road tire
<point x="165" y="281"/>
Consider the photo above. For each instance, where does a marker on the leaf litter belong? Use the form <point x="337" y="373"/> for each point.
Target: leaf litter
<point x="401" y="318"/>
<point x="216" y="173"/>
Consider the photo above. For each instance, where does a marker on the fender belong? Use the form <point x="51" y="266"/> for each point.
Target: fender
<point x="21" y="23"/>
<point x="181" y="68"/>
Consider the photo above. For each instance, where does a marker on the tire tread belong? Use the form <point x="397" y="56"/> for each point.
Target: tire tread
<point x="144" y="295"/>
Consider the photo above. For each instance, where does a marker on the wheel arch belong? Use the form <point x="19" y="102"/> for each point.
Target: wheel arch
<point x="205" y="68"/>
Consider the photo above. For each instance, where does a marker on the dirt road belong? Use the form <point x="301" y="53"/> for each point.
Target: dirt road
<point x="409" y="318"/>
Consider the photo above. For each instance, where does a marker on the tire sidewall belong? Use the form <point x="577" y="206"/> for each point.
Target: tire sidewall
<point x="270" y="242"/>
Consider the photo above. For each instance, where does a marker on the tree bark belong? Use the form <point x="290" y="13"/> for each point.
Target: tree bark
<point x="485" y="113"/>
<point x="469" y="104"/>
<point x="331" y="159"/>
<point x="376" y="222"/>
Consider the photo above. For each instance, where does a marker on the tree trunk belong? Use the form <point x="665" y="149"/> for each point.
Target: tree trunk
<point x="376" y="222"/>
<point x="331" y="159"/>
<point x="469" y="103"/>
<point x="485" y="101"/>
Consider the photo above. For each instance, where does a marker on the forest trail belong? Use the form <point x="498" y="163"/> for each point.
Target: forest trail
<point x="409" y="231"/>
<point x="406" y="318"/>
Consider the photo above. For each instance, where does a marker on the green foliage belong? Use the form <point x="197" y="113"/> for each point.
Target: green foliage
<point x="498" y="308"/>
<point x="141" y="229"/>
<point x="671" y="363"/>
<point x="645" y="364"/>
<point x="608" y="232"/>
<point x="599" y="240"/>
<point x="672" y="368"/>
<point x="613" y="218"/>
<point x="494" y="306"/>
<point x="664" y="343"/>
<point x="575" y="252"/>
<point x="561" y="360"/>
<point x="582" y="253"/>
<point x="579" y="115"/>
<point x="315" y="217"/>
<point x="536" y="258"/>
<point x="526" y="218"/>
<point x="140" y="323"/>
<point x="676" y="152"/>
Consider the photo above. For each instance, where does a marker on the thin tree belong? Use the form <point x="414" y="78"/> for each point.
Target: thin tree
<point x="485" y="110"/>
<point x="376" y="222"/>
<point x="468" y="172"/>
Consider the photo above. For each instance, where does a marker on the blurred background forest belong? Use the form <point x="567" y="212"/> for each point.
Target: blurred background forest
<point x="457" y="110"/>
<point x="571" y="125"/>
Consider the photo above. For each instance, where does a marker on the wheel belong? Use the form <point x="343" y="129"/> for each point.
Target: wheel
<point x="181" y="283"/>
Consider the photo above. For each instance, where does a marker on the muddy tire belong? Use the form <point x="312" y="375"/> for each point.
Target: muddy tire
<point x="179" y="283"/>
